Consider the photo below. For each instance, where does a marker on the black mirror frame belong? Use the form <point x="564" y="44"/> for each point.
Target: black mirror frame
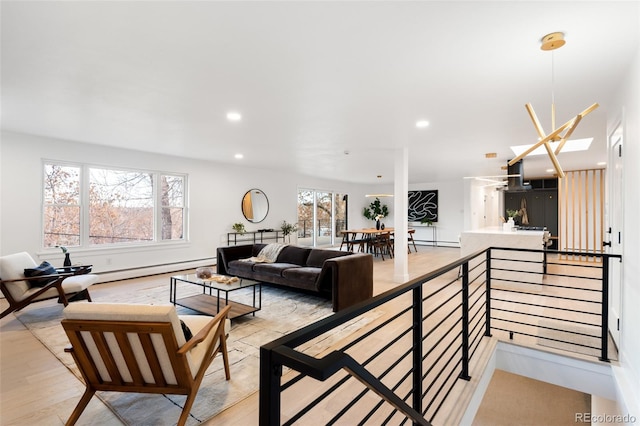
<point x="254" y="220"/>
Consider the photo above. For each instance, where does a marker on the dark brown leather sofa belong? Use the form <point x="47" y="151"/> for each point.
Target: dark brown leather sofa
<point x="344" y="277"/>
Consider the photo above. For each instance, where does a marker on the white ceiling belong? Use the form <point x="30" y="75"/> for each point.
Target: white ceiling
<point x="315" y="79"/>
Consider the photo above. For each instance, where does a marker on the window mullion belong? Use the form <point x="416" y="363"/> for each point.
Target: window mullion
<point x="157" y="208"/>
<point x="84" y="206"/>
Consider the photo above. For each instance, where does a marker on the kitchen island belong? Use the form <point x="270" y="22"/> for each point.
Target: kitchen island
<point x="529" y="266"/>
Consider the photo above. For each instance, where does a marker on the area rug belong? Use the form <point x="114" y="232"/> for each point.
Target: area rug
<point x="282" y="312"/>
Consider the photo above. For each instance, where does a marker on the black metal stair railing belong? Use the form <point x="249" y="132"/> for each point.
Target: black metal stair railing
<point x="570" y="314"/>
<point x="397" y="358"/>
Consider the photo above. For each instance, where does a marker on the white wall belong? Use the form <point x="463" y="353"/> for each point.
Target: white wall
<point x="450" y="212"/>
<point x="215" y="194"/>
<point x="483" y="204"/>
<point x="627" y="107"/>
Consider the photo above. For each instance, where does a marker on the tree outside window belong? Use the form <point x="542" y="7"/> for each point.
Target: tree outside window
<point x="61" y="205"/>
<point x="123" y="206"/>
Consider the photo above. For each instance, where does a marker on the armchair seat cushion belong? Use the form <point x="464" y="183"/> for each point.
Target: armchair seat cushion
<point x="72" y="284"/>
<point x="195" y="324"/>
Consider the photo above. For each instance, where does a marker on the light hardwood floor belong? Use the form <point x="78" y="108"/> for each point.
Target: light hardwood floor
<point x="35" y="388"/>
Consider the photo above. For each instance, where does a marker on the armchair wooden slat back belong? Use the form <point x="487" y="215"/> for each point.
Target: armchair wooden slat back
<point x="141" y="356"/>
<point x="122" y="333"/>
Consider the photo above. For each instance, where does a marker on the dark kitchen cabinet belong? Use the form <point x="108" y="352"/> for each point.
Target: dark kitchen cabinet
<point x="542" y="209"/>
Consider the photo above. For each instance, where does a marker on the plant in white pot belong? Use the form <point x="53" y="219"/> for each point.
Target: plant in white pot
<point x="511" y="214"/>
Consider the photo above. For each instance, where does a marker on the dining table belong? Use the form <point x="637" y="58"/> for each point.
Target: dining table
<point x="367" y="235"/>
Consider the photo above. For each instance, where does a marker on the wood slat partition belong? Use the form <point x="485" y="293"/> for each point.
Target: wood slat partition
<point x="581" y="212"/>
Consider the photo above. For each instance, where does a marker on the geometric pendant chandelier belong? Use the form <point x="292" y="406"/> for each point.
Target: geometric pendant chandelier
<point x="561" y="134"/>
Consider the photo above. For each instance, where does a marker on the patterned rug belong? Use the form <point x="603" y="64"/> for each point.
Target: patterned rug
<point x="282" y="312"/>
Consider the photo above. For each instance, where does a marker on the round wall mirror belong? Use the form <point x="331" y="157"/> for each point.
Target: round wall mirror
<point x="255" y="205"/>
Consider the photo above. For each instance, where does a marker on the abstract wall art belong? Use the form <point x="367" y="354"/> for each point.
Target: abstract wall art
<point x="423" y="205"/>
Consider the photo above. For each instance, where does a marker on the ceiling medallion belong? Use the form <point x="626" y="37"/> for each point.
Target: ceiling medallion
<point x="552" y="42"/>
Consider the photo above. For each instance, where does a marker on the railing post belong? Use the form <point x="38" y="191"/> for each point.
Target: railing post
<point x="417" y="349"/>
<point x="604" y="331"/>
<point x="270" y="373"/>
<point x="487" y="313"/>
<point x="464" y="374"/>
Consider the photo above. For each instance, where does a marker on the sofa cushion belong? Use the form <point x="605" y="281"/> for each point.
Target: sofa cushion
<point x="294" y="254"/>
<point x="273" y="268"/>
<point x="306" y="274"/>
<point x="257" y="248"/>
<point x="318" y="256"/>
<point x="239" y="267"/>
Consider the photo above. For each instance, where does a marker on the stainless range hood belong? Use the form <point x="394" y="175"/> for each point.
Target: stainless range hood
<point x="516" y="183"/>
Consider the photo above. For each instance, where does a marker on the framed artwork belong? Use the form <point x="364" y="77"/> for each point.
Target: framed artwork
<point x="423" y="205"/>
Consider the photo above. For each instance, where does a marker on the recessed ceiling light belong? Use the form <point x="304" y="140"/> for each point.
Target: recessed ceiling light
<point x="550" y="170"/>
<point x="239" y="156"/>
<point x="602" y="163"/>
<point x="234" y="116"/>
<point x="570" y="145"/>
<point x="421" y="124"/>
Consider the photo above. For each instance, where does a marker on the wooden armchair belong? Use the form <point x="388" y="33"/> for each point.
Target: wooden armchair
<point x="20" y="290"/>
<point x="143" y="349"/>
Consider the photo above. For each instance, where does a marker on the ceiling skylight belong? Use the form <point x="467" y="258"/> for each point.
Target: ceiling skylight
<point x="569" y="146"/>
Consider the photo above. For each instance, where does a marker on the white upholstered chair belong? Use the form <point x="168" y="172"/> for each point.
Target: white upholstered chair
<point x="143" y="349"/>
<point x="20" y="290"/>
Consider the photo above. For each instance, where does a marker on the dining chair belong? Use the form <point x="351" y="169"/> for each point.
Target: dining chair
<point x="382" y="244"/>
<point x="412" y="241"/>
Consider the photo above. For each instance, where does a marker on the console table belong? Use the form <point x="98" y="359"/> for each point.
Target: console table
<point x="254" y="237"/>
<point x="420" y="235"/>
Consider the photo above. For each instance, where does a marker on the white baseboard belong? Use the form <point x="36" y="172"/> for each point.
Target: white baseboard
<point x="123" y="274"/>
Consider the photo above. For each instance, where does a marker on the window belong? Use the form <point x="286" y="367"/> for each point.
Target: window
<point x="61" y="205"/>
<point x="118" y="206"/>
<point x="321" y="217"/>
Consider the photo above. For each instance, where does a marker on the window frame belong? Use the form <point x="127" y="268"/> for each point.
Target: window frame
<point x="84" y="205"/>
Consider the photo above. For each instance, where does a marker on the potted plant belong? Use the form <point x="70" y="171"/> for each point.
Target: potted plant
<point x="239" y="228"/>
<point x="426" y="221"/>
<point x="376" y="211"/>
<point x="288" y="228"/>
<point x="67" y="260"/>
<point x="511" y="214"/>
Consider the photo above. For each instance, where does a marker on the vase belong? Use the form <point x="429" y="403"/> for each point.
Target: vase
<point x="377" y="224"/>
<point x="67" y="260"/>
<point x="509" y="225"/>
